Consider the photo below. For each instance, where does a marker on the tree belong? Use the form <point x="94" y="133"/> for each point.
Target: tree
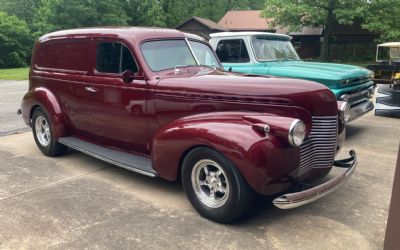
<point x="23" y="9"/>
<point x="382" y="17"/>
<point x="15" y="41"/>
<point x="66" y="14"/>
<point x="318" y="13"/>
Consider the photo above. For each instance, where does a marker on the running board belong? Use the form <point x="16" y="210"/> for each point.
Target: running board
<point x="135" y="163"/>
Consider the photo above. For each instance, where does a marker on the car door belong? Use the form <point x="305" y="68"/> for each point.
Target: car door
<point x="116" y="113"/>
<point x="234" y="55"/>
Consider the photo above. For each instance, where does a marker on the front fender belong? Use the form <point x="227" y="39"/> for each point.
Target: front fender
<point x="261" y="158"/>
<point x="45" y="99"/>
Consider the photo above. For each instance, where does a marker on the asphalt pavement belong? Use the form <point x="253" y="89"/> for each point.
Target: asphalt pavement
<point x="11" y="93"/>
<point x="77" y="202"/>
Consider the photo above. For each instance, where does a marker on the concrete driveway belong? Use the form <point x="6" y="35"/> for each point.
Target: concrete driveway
<point x="11" y="93"/>
<point x="75" y="201"/>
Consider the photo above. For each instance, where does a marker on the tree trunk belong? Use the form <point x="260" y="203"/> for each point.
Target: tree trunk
<point x="326" y="43"/>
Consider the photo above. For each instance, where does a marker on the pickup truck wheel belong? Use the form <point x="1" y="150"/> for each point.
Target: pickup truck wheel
<point x="214" y="186"/>
<point x="43" y="133"/>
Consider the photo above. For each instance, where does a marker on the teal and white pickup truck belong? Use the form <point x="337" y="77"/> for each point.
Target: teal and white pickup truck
<point x="272" y="54"/>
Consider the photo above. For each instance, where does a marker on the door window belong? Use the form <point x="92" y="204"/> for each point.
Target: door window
<point x="232" y="51"/>
<point x="114" y="58"/>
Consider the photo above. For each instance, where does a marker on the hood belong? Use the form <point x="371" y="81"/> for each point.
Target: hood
<point x="234" y="88"/>
<point x="329" y="74"/>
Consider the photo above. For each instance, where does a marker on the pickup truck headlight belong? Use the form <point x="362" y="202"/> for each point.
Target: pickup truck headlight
<point x="297" y="133"/>
<point x="371" y="92"/>
<point x="345" y="109"/>
<point x="344" y="98"/>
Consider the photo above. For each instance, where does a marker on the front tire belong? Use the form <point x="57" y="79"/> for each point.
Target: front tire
<point x="43" y="133"/>
<point x="214" y="186"/>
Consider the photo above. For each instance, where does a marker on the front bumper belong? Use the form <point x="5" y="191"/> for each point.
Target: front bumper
<point x="297" y="199"/>
<point x="360" y="109"/>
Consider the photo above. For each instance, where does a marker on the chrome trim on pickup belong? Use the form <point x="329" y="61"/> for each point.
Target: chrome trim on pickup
<point x="360" y="109"/>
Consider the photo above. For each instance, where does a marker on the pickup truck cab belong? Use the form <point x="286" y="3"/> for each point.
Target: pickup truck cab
<point x="273" y="54"/>
<point x="157" y="102"/>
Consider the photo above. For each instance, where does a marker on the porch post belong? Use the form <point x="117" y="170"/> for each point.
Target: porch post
<point x="392" y="237"/>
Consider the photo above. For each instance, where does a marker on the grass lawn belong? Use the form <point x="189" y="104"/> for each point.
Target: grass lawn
<point x="14" y="74"/>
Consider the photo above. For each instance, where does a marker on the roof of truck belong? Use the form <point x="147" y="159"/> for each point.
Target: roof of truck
<point x="391" y="44"/>
<point x="249" y="33"/>
<point x="135" y="33"/>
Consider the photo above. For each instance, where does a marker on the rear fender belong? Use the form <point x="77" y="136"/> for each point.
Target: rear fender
<point x="46" y="100"/>
<point x="260" y="157"/>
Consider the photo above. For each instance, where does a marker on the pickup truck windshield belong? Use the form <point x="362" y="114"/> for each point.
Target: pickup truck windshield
<point x="204" y="54"/>
<point x="273" y="50"/>
<point x="168" y="54"/>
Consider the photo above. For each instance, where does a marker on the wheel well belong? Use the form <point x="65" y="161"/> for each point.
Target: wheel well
<point x="33" y="110"/>
<point x="178" y="175"/>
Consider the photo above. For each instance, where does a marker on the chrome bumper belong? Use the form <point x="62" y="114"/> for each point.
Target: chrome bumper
<point x="292" y="200"/>
<point x="361" y="109"/>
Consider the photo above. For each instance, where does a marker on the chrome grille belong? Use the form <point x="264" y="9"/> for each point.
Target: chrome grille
<point x="358" y="97"/>
<point x="318" y="149"/>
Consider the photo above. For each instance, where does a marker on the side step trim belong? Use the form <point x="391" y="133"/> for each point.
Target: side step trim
<point x="135" y="163"/>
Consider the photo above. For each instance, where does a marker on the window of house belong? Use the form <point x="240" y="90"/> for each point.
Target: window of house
<point x="114" y="58"/>
<point x="232" y="51"/>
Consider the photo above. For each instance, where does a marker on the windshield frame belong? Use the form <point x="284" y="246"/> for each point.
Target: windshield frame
<point x="190" y="49"/>
<point x="211" y="49"/>
<point x="269" y="38"/>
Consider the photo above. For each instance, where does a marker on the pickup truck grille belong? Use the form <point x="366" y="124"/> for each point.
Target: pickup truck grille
<point x="318" y="149"/>
<point x="358" y="97"/>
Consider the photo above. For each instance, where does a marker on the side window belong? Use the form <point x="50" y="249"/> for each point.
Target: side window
<point x="64" y="55"/>
<point x="128" y="63"/>
<point x="114" y="58"/>
<point x="232" y="51"/>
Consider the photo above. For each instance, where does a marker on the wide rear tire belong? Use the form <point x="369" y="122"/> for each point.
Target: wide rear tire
<point x="43" y="133"/>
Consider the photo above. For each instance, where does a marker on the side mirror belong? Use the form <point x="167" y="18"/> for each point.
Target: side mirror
<point x="128" y="76"/>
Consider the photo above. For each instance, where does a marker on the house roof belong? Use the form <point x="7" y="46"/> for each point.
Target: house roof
<point x="245" y="20"/>
<point x="206" y="22"/>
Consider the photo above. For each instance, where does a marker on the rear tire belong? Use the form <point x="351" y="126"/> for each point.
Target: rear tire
<point x="43" y="133"/>
<point x="214" y="186"/>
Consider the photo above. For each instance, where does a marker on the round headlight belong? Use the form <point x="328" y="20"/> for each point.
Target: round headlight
<point x="345" y="108"/>
<point x="344" y="98"/>
<point x="297" y="133"/>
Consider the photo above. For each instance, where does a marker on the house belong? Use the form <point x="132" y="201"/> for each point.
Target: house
<point x="200" y="26"/>
<point x="351" y="42"/>
<point x="307" y="41"/>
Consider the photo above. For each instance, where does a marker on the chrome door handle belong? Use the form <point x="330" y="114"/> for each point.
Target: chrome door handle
<point x="91" y="89"/>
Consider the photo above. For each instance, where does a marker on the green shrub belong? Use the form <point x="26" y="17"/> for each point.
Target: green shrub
<point x="15" y="41"/>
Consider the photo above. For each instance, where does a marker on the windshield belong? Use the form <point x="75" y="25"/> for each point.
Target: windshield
<point x="273" y="50"/>
<point x="388" y="53"/>
<point x="204" y="54"/>
<point x="168" y="54"/>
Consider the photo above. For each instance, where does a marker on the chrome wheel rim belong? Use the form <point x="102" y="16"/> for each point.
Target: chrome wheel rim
<point x="42" y="130"/>
<point x="210" y="183"/>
